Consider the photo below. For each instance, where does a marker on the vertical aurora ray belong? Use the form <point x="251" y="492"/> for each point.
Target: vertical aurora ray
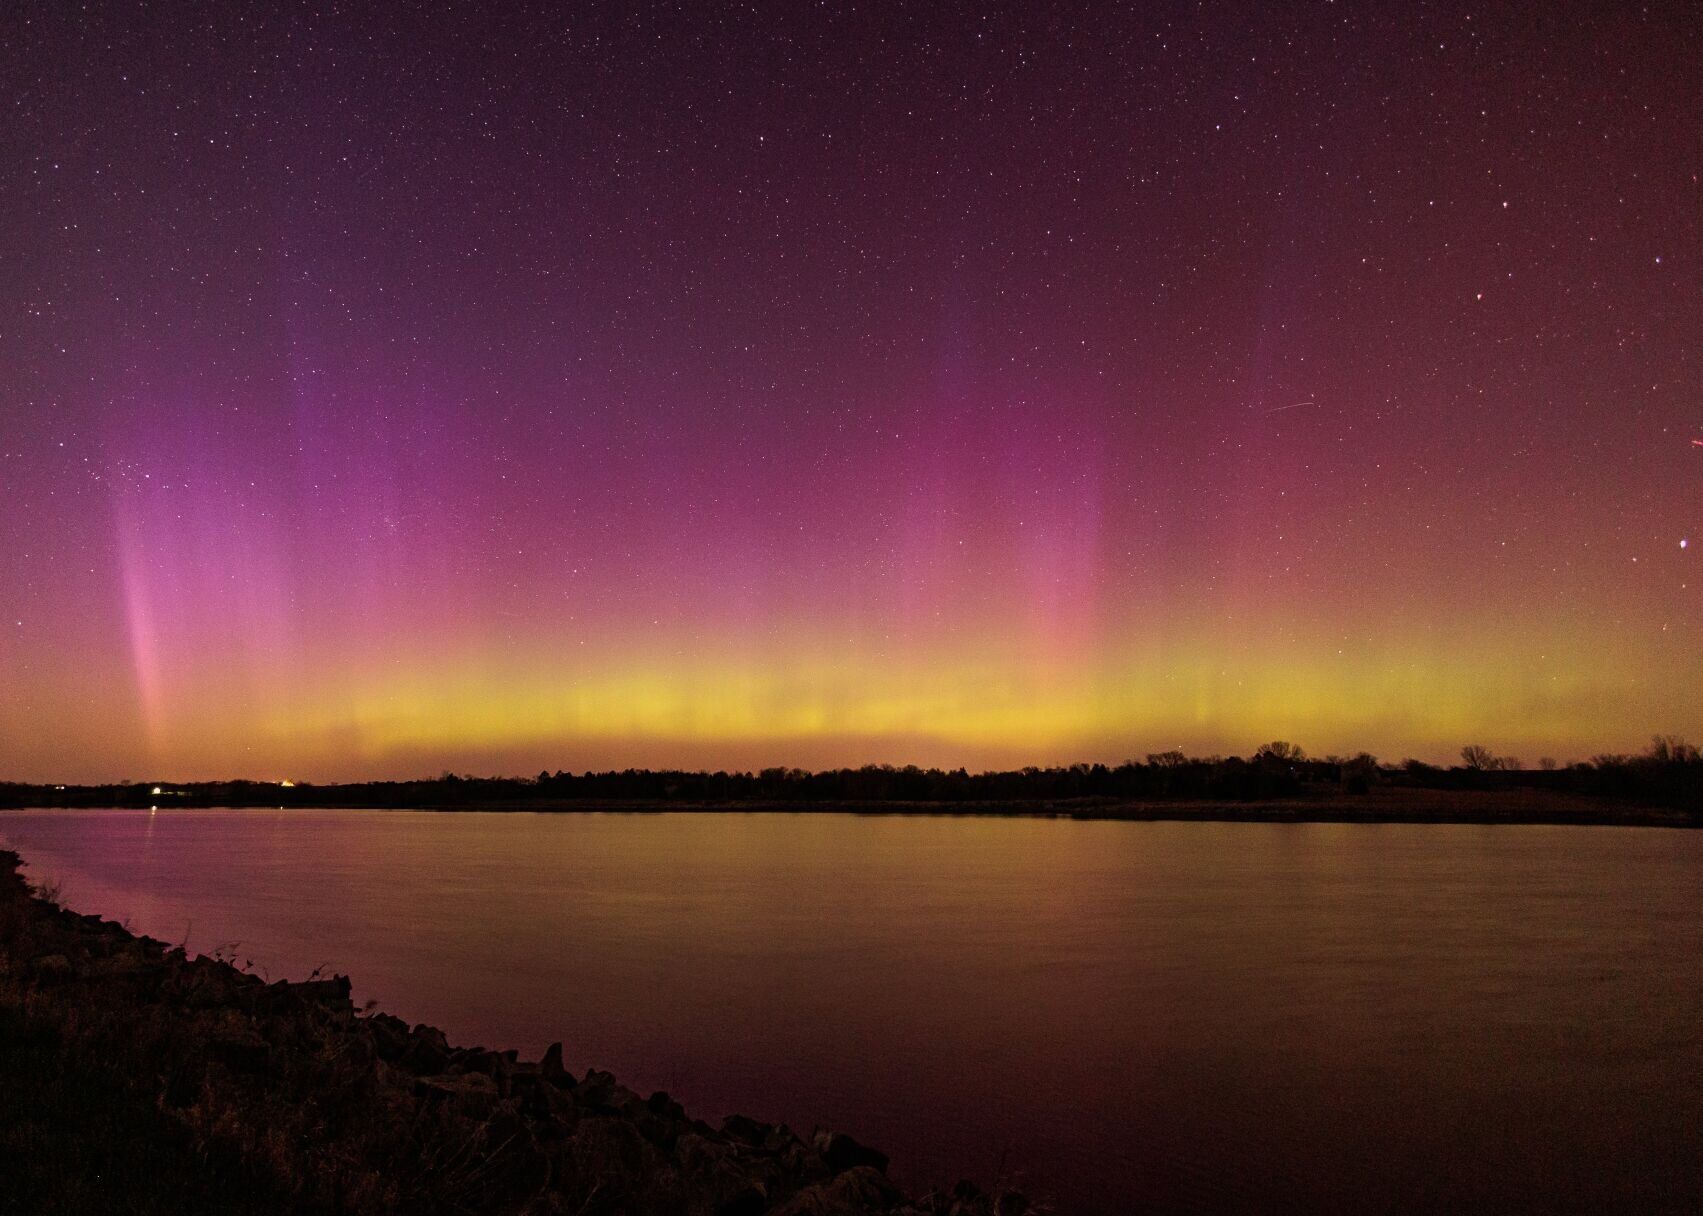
<point x="141" y="629"/>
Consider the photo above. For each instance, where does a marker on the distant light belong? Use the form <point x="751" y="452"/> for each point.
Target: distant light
<point x="289" y="785"/>
<point x="158" y="791"/>
<point x="1684" y="542"/>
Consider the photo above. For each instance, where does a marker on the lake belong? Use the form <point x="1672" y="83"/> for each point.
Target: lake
<point x="1125" y="1016"/>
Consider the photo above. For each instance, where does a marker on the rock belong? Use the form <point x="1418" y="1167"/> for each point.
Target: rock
<point x="541" y="1100"/>
<point x="843" y="1153"/>
<point x="816" y="1201"/>
<point x="750" y="1200"/>
<point x="712" y="1168"/>
<point x="122" y="963"/>
<point x="746" y="1130"/>
<point x="50" y="968"/>
<point x="477" y="1059"/>
<point x="333" y="992"/>
<point x="389" y="1035"/>
<point x="180" y="1086"/>
<point x="661" y="1104"/>
<point x="857" y="1192"/>
<point x="802" y="1162"/>
<point x="551" y="1067"/>
<point x="659" y="1131"/>
<point x="241" y="1052"/>
<point x="597" y="1091"/>
<point x="469" y="1093"/>
<point x="427" y="1050"/>
<point x="201" y="983"/>
<point x="866" y="1186"/>
<point x="699" y="1154"/>
<point x="609" y="1156"/>
<point x="506" y="1124"/>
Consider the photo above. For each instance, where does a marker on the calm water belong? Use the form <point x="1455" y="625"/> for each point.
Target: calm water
<point x="1148" y="1016"/>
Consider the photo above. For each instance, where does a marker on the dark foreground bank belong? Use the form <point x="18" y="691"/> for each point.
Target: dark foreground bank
<point x="136" y="1079"/>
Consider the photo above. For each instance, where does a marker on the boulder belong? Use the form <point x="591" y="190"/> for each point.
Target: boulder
<point x="551" y="1067"/>
<point x="842" y="1153"/>
<point x="802" y="1162"/>
<point x="50" y="968"/>
<point x="241" y="1051"/>
<point x="817" y="1201"/>
<point x="427" y="1050"/>
<point x="608" y="1155"/>
<point x="856" y="1192"/>
<point x="746" y="1130"/>
<point x="865" y="1185"/>
<point x="661" y="1104"/>
<point x="782" y="1142"/>
<point x="389" y="1036"/>
<point x="749" y="1200"/>
<point x="203" y="983"/>
<point x="472" y="1094"/>
<point x="477" y="1059"/>
<point x="543" y="1101"/>
<point x="333" y="992"/>
<point x="596" y="1091"/>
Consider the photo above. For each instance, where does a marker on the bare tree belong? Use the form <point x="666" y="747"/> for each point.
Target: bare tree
<point x="1671" y="749"/>
<point x="1477" y="758"/>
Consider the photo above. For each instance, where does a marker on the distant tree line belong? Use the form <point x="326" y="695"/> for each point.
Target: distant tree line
<point x="1669" y="773"/>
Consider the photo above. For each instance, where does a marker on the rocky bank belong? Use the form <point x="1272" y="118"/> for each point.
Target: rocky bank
<point x="329" y="1108"/>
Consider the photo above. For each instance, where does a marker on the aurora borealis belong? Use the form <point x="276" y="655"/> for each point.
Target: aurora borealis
<point x="531" y="387"/>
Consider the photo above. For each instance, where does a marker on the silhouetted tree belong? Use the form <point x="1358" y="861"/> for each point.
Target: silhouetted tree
<point x="1671" y="749"/>
<point x="1477" y="758"/>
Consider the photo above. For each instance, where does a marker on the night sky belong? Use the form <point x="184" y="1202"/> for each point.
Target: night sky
<point x="563" y="386"/>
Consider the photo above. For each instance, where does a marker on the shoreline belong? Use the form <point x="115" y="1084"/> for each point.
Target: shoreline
<point x="1427" y="807"/>
<point x="1518" y="807"/>
<point x="295" y="1100"/>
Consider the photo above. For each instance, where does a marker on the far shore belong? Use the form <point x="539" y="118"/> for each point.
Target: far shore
<point x="1279" y="783"/>
<point x="1521" y="806"/>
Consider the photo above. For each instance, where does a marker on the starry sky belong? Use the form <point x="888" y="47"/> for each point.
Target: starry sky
<point x="508" y="387"/>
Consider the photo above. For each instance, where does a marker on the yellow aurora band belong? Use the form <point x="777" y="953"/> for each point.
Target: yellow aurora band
<point x="492" y="713"/>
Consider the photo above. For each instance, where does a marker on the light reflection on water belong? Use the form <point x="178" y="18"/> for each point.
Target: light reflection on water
<point x="1141" y="1016"/>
